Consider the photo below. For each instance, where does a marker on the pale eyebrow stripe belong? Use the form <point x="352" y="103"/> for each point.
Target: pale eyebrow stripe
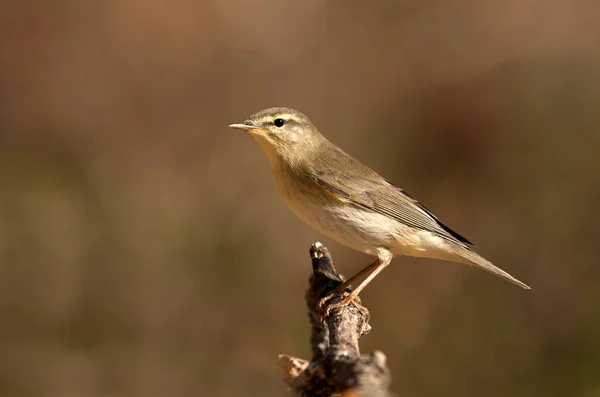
<point x="289" y="117"/>
<point x="285" y="116"/>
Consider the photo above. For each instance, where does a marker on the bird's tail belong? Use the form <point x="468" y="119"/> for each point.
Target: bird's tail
<point x="473" y="259"/>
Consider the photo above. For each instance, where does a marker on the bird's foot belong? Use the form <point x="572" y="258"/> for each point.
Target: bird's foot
<point x="350" y="298"/>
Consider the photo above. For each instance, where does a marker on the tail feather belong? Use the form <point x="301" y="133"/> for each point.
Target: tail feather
<point x="473" y="259"/>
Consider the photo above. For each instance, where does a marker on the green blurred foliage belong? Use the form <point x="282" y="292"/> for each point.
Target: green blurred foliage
<point x="144" y="249"/>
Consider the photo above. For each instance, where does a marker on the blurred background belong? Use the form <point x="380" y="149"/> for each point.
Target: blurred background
<point x="144" y="248"/>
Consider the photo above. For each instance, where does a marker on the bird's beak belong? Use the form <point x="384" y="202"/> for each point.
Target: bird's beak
<point x="244" y="125"/>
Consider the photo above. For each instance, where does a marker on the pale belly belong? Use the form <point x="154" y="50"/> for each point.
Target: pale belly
<point x="361" y="229"/>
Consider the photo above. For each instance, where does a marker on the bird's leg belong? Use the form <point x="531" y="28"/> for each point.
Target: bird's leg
<point x="384" y="259"/>
<point x="367" y="270"/>
<point x="341" y="289"/>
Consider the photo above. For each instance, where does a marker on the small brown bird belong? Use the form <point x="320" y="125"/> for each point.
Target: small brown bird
<point x="349" y="202"/>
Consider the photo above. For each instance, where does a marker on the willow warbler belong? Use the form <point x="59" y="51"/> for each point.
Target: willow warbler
<point x="349" y="202"/>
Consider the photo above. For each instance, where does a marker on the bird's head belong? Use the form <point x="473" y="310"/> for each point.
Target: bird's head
<point x="283" y="133"/>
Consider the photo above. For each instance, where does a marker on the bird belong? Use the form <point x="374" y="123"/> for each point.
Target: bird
<point x="349" y="202"/>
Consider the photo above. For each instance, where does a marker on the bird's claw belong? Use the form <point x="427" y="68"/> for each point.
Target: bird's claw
<point x="349" y="299"/>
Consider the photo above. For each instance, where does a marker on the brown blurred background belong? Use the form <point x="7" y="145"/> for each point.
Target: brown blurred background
<point x="145" y="251"/>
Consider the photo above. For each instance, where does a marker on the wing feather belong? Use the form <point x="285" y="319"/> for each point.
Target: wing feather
<point x="379" y="195"/>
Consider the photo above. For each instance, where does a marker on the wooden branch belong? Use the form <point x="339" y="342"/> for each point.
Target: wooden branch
<point x="336" y="366"/>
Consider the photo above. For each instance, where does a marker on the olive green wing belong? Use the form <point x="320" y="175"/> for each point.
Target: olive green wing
<point x="377" y="194"/>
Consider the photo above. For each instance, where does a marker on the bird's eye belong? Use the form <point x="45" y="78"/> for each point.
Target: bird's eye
<point x="279" y="122"/>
